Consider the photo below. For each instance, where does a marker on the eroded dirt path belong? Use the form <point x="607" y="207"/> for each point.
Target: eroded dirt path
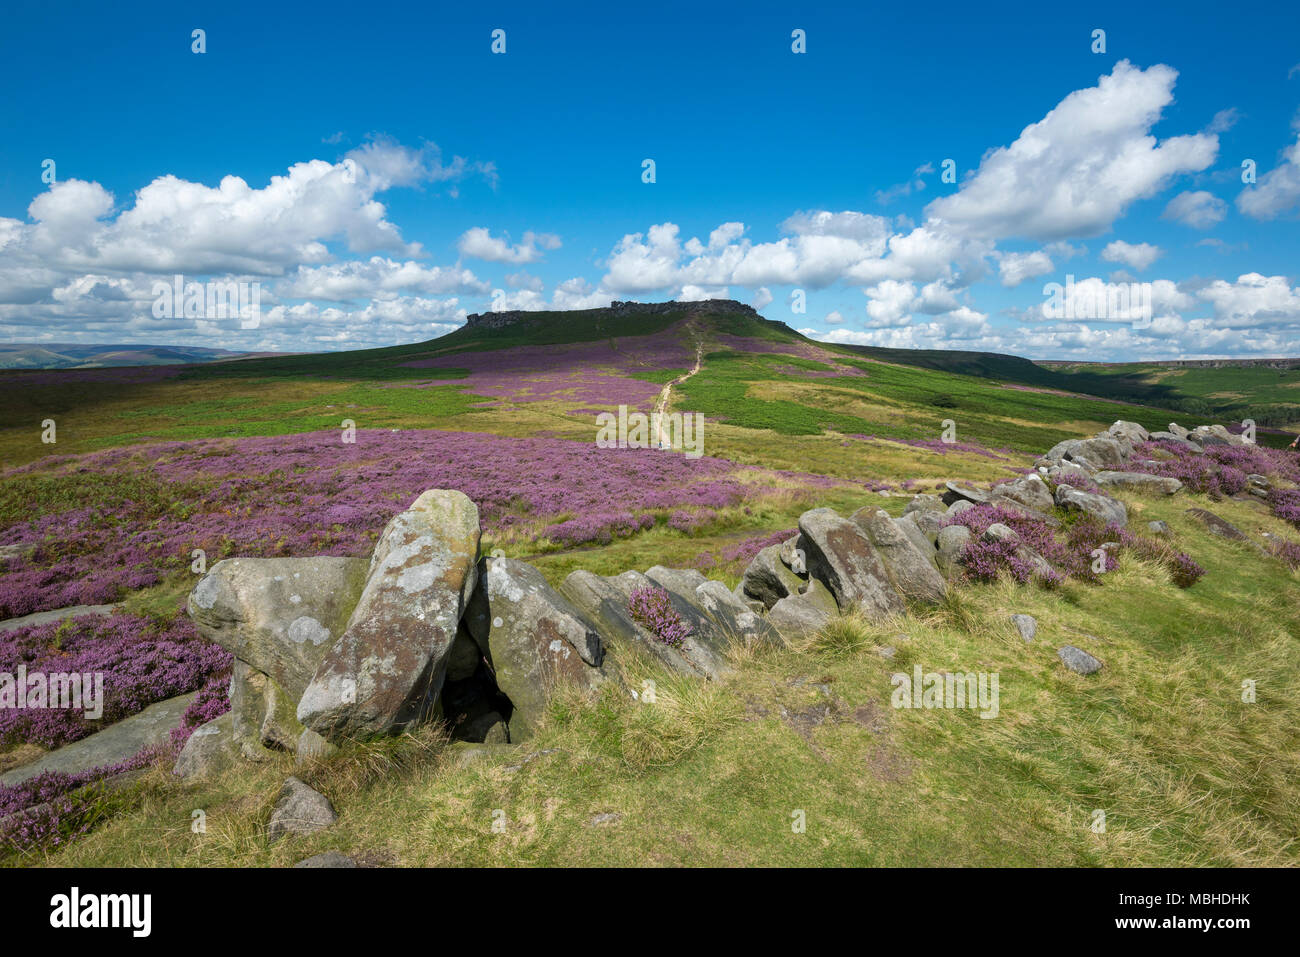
<point x="664" y="438"/>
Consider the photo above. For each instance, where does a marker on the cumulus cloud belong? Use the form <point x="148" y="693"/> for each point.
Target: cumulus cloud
<point x="1277" y="192"/>
<point x="1134" y="255"/>
<point x="1196" y="208"/>
<point x="1015" y="268"/>
<point x="479" y="243"/>
<point x="1077" y="170"/>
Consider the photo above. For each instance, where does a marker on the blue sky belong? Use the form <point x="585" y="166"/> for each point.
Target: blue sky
<point x="379" y="172"/>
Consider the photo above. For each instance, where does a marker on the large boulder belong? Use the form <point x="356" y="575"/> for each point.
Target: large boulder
<point x="910" y="570"/>
<point x="798" y="616"/>
<point x="1028" y="493"/>
<point x="280" y="615"/>
<point x="707" y="645"/>
<point x="386" y="670"/>
<point x="923" y="539"/>
<point x="536" y="640"/>
<point x="1102" y="507"/>
<point x="840" y="554"/>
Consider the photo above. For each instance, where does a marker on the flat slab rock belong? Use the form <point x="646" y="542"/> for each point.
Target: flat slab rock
<point x="57" y="614"/>
<point x="117" y="742"/>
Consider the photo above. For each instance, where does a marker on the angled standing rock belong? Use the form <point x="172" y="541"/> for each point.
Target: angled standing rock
<point x="732" y="615"/>
<point x="386" y="670"/>
<point x="767" y="578"/>
<point x="536" y="640"/>
<point x="605" y="605"/>
<point x="840" y="554"/>
<point x="280" y="615"/>
<point x="705" y="647"/>
<point x="910" y="571"/>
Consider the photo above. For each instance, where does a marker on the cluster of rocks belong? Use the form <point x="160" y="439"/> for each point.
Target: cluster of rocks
<point x="334" y="649"/>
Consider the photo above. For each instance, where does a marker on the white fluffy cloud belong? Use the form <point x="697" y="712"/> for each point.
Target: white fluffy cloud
<point x="479" y="243"/>
<point x="1015" y="268"/>
<point x="1198" y="209"/>
<point x="1277" y="192"/>
<point x="1134" y="255"/>
<point x="1077" y="170"/>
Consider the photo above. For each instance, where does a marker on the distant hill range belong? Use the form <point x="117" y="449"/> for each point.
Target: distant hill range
<point x="1183" y="363"/>
<point x="67" y="355"/>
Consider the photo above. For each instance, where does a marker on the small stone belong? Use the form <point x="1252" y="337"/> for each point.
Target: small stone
<point x="887" y="652"/>
<point x="1158" y="528"/>
<point x="1078" y="660"/>
<point x="1027" y="625"/>
<point x="605" y="820"/>
<point x="299" y="810"/>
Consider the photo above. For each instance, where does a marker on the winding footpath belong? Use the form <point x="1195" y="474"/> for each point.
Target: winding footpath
<point x="664" y="438"/>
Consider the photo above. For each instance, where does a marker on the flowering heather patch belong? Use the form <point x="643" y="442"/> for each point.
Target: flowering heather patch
<point x="688" y="521"/>
<point x="1079" y="480"/>
<point x="109" y="522"/>
<point x="742" y="552"/>
<point x="1286" y="504"/>
<point x="599" y="372"/>
<point x="1073" y="557"/>
<point x="46" y="812"/>
<point x="1289" y="552"/>
<point x="1220" y="469"/>
<point x="142" y="663"/>
<point x="653" y="610"/>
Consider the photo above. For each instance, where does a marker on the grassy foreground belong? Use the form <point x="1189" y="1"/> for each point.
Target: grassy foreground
<point x="1161" y="740"/>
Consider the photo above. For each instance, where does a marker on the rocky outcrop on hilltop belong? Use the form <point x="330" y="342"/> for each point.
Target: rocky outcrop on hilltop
<point x="704" y="307"/>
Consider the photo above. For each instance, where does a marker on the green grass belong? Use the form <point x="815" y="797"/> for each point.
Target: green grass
<point x="711" y="774"/>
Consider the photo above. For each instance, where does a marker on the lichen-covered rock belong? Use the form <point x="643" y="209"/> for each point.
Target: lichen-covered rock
<point x="537" y="640"/>
<point x="797" y="616"/>
<point x="922" y="539"/>
<point x="1099" y="506"/>
<point x="705" y="647"/>
<point x="910" y="570"/>
<point x="280" y="615"/>
<point x="1030" y="493"/>
<point x="387" y="669"/>
<point x="299" y="810"/>
<point x="840" y="554"/>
